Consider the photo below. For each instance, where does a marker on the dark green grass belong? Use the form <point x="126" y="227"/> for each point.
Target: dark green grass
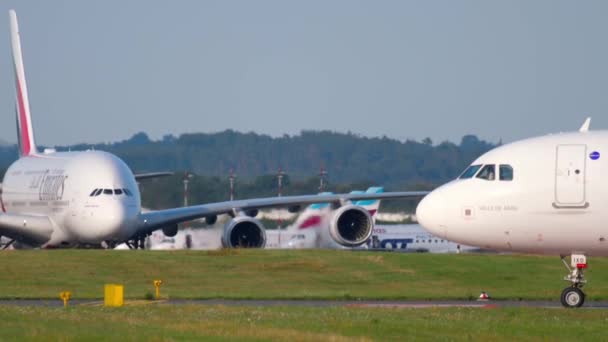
<point x="257" y="274"/>
<point x="163" y="322"/>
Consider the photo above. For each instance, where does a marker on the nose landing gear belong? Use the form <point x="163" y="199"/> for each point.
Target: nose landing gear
<point x="573" y="296"/>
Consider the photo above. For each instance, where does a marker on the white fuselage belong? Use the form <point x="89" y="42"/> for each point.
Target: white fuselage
<point x="59" y="185"/>
<point x="412" y="238"/>
<point x="554" y="204"/>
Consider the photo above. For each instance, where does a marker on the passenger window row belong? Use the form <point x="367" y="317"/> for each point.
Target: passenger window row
<point x="488" y="172"/>
<point x="98" y="192"/>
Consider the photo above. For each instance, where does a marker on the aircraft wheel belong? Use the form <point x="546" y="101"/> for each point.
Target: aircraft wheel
<point x="573" y="297"/>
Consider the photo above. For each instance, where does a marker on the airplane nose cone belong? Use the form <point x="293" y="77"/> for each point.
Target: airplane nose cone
<point x="118" y="221"/>
<point x="111" y="221"/>
<point x="430" y="214"/>
<point x="114" y="219"/>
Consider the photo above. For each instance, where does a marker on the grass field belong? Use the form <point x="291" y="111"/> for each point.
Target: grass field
<point x="264" y="274"/>
<point x="152" y="322"/>
<point x="320" y="274"/>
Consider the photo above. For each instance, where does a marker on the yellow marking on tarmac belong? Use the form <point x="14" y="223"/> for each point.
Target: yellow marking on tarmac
<point x="96" y="303"/>
<point x="143" y="302"/>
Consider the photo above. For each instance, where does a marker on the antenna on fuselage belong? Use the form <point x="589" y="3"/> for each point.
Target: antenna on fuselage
<point x="585" y="127"/>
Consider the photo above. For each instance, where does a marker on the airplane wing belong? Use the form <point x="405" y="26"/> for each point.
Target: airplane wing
<point x="30" y="229"/>
<point x="142" y="176"/>
<point x="153" y="220"/>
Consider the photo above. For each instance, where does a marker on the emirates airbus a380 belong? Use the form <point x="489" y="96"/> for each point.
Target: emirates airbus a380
<point x="55" y="199"/>
<point x="544" y="195"/>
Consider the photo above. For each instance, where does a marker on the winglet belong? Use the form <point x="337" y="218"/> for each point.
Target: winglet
<point x="25" y="133"/>
<point x="585" y="127"/>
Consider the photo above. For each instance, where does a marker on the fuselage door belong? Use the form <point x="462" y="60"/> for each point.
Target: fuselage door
<point x="570" y="176"/>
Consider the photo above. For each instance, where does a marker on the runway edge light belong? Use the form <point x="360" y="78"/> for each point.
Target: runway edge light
<point x="157" y="284"/>
<point x="65" y="297"/>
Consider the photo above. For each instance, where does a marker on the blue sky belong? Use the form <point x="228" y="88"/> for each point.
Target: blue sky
<point x="102" y="71"/>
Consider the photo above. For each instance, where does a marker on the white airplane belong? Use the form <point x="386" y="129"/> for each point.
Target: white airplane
<point x="55" y="199"/>
<point x="543" y="195"/>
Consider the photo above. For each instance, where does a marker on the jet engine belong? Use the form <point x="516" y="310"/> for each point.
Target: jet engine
<point x="252" y="212"/>
<point x="351" y="226"/>
<point x="170" y="231"/>
<point x="294" y="209"/>
<point x="210" y="220"/>
<point x="244" y="232"/>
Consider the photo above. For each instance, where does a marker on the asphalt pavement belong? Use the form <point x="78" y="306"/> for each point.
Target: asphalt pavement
<point x="310" y="303"/>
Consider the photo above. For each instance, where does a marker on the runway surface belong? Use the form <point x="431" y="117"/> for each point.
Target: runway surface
<point x="309" y="303"/>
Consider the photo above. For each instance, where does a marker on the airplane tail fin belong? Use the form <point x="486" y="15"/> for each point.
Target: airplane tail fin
<point x="25" y="133"/>
<point x="371" y="205"/>
<point x="313" y="215"/>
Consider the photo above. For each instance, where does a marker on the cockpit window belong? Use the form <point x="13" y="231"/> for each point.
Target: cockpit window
<point x="488" y="172"/>
<point x="120" y="191"/>
<point x="506" y="172"/>
<point x="470" y="171"/>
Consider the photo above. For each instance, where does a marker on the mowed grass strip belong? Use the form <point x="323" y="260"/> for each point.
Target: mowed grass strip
<point x="303" y="274"/>
<point x="168" y="322"/>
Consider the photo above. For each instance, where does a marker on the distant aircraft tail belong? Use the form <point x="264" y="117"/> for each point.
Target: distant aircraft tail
<point x="371" y="205"/>
<point x="25" y="133"/>
<point x="313" y="216"/>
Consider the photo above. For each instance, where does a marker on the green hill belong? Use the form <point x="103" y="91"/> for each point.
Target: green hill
<point x="352" y="161"/>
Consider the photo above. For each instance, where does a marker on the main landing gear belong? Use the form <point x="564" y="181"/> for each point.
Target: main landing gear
<point x="139" y="242"/>
<point x="7" y="244"/>
<point x="573" y="296"/>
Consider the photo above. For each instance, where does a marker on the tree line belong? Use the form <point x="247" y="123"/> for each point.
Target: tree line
<point x="352" y="162"/>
